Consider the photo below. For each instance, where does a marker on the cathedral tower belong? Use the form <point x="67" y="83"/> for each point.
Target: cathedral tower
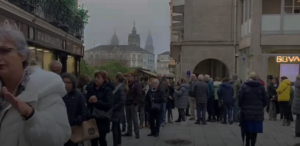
<point x="114" y="39"/>
<point x="134" y="38"/>
<point x="149" y="44"/>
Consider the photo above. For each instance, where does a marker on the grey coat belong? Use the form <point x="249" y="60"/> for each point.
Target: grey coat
<point x="201" y="92"/>
<point x="181" y="96"/>
<point x="296" y="100"/>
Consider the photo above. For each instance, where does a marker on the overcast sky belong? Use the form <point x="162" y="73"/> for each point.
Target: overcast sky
<point x="107" y="15"/>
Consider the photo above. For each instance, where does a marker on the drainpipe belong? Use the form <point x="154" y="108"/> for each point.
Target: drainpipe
<point x="235" y="33"/>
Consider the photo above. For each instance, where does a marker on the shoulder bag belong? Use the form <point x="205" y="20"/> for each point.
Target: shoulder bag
<point x="101" y="114"/>
<point x="155" y="106"/>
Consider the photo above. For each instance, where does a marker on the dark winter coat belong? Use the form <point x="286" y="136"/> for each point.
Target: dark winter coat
<point x="252" y="100"/>
<point x="181" y="96"/>
<point x="201" y="92"/>
<point x="163" y="86"/>
<point x="134" y="94"/>
<point x="192" y="83"/>
<point x="156" y="96"/>
<point x="171" y="103"/>
<point x="119" y="103"/>
<point x="271" y="89"/>
<point x="296" y="100"/>
<point x="104" y="102"/>
<point x="226" y="93"/>
<point x="76" y="107"/>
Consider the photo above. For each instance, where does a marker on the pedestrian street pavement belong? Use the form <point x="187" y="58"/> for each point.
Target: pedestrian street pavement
<point x="212" y="134"/>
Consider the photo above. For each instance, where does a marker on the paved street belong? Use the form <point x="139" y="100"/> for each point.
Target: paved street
<point x="214" y="134"/>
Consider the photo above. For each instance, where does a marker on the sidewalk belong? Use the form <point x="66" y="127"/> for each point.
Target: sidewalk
<point x="213" y="134"/>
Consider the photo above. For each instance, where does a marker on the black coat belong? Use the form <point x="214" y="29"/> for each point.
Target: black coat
<point x="134" y="94"/>
<point x="156" y="96"/>
<point x="76" y="107"/>
<point x="252" y="100"/>
<point x="272" y="91"/>
<point x="119" y="102"/>
<point x="104" y="102"/>
<point x="170" y="103"/>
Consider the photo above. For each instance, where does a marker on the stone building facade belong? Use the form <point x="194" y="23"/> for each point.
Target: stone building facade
<point x="131" y="55"/>
<point x="229" y="37"/>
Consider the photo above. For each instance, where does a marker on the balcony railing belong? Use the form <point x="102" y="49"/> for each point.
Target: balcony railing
<point x="55" y="13"/>
<point x="280" y="24"/>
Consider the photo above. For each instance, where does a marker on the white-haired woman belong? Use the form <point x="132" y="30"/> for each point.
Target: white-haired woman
<point x="32" y="111"/>
<point x="252" y="100"/>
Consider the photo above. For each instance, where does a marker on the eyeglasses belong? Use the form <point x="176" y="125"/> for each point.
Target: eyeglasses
<point x="5" y="50"/>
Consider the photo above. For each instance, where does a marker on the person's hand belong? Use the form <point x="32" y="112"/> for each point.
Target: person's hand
<point x="24" y="109"/>
<point x="93" y="99"/>
<point x="170" y="97"/>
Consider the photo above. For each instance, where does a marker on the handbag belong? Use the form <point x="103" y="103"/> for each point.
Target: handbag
<point x="86" y="131"/>
<point x="155" y="106"/>
<point x="101" y="114"/>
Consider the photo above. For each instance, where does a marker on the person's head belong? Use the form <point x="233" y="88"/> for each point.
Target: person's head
<point x="69" y="80"/>
<point x="121" y="79"/>
<point x="298" y="77"/>
<point x="218" y="79"/>
<point x="193" y="77"/>
<point x="200" y="77"/>
<point x="225" y="80"/>
<point x="100" y="78"/>
<point x="283" y="78"/>
<point x="206" y="78"/>
<point x="56" y="66"/>
<point x="130" y="77"/>
<point x="168" y="81"/>
<point x="14" y="52"/>
<point x="235" y="77"/>
<point x="83" y="80"/>
<point x="183" y="81"/>
<point x="253" y="76"/>
<point x="155" y="83"/>
<point x="159" y="76"/>
<point x="275" y="80"/>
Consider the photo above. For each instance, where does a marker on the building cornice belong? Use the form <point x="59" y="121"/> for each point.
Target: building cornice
<point x="7" y="6"/>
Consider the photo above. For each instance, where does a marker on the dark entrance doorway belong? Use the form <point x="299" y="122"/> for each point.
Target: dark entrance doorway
<point x="213" y="67"/>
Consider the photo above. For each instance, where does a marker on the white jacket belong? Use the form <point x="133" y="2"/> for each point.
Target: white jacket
<point x="49" y="126"/>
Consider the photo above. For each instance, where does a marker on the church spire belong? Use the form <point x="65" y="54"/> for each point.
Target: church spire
<point x="133" y="29"/>
<point x="149" y="40"/>
<point x="114" y="39"/>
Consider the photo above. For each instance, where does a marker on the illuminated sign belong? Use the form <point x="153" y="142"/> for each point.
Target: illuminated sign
<point x="287" y="59"/>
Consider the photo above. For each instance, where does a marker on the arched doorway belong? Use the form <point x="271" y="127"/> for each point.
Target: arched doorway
<point x="213" y="67"/>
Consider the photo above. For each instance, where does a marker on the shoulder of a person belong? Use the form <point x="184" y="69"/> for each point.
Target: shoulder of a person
<point x="44" y="82"/>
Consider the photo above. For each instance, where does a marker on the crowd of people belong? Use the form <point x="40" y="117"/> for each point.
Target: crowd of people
<point x="38" y="108"/>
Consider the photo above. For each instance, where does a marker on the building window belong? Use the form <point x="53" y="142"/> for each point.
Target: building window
<point x="70" y="64"/>
<point x="291" y="7"/>
<point x="42" y="56"/>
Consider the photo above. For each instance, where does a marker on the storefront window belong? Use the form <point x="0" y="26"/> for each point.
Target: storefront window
<point x="70" y="64"/>
<point x="39" y="56"/>
<point x="47" y="59"/>
<point x="33" y="53"/>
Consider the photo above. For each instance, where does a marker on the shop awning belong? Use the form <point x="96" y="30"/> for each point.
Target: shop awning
<point x="149" y="73"/>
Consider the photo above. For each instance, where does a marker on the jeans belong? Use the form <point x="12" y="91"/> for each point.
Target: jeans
<point x="124" y="121"/>
<point x="181" y="114"/>
<point x="169" y="109"/>
<point x="163" y="113"/>
<point x="284" y="106"/>
<point x="155" y="121"/>
<point x="117" y="135"/>
<point x="272" y="110"/>
<point x="101" y="140"/>
<point x="131" y="115"/>
<point x="235" y="109"/>
<point x="142" y="114"/>
<point x="227" y="112"/>
<point x="192" y="103"/>
<point x="201" y="111"/>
